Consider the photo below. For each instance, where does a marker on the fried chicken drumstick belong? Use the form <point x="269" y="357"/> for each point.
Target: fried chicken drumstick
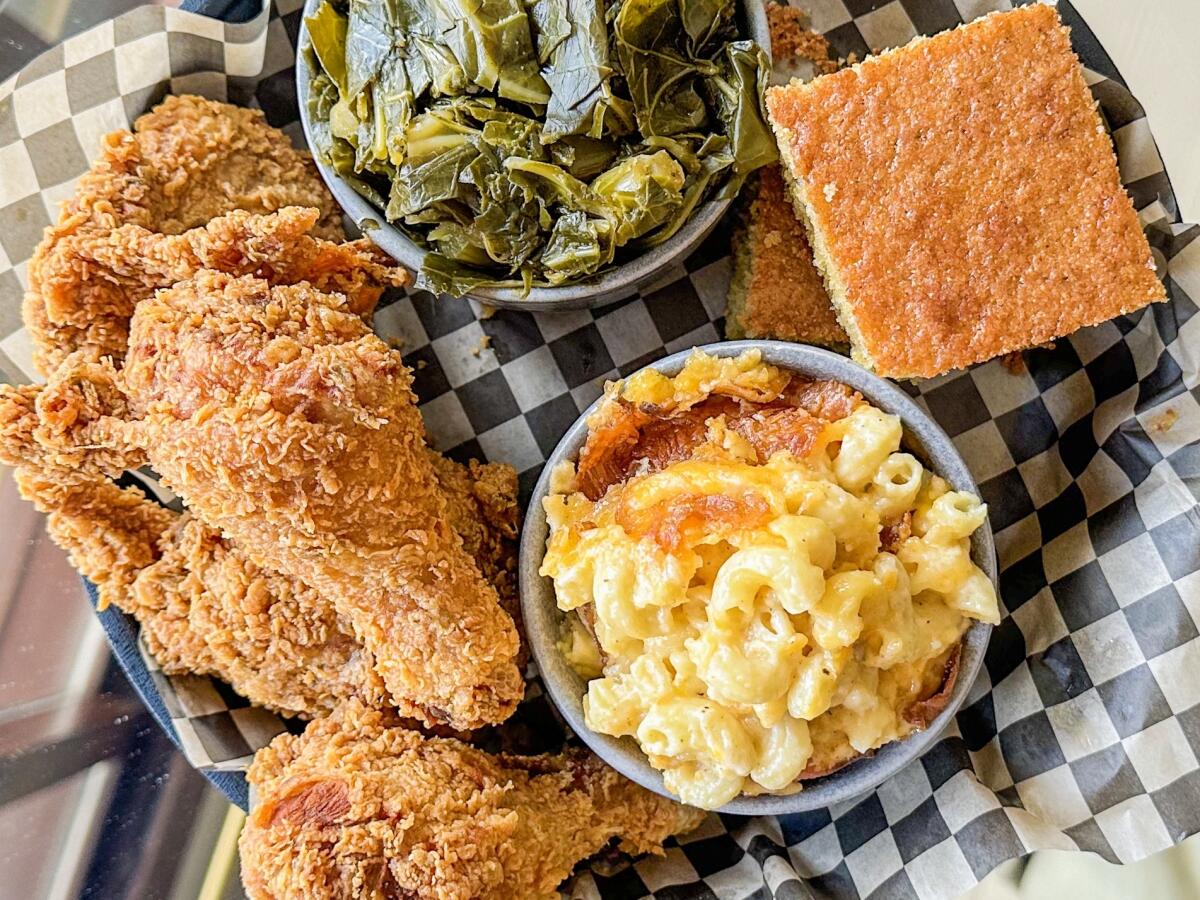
<point x="138" y="220"/>
<point x="204" y="607"/>
<point x="286" y="424"/>
<point x="360" y="807"/>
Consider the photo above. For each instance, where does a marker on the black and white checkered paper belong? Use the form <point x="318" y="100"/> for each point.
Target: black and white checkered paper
<point x="1083" y="732"/>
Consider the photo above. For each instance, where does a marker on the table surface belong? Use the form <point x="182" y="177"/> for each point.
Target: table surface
<point x="1154" y="45"/>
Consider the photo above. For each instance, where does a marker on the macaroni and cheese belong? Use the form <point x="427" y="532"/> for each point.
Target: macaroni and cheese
<point x="771" y="589"/>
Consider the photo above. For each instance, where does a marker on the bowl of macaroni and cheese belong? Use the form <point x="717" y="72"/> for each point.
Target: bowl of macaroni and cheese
<point x="757" y="578"/>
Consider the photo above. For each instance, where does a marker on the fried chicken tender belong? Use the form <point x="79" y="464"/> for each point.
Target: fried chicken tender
<point x="360" y="807"/>
<point x="204" y="607"/>
<point x="186" y="162"/>
<point x="84" y="287"/>
<point x="285" y="423"/>
<point x="481" y="501"/>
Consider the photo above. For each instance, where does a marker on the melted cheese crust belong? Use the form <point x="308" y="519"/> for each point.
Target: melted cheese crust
<point x="750" y="627"/>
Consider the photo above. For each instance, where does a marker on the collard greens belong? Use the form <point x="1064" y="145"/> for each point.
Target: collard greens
<point x="535" y="142"/>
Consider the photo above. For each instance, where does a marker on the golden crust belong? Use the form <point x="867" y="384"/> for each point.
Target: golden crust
<point x="185" y="162"/>
<point x="297" y="435"/>
<point x="963" y="197"/>
<point x="289" y="427"/>
<point x="204" y="607"/>
<point x="359" y="806"/>
<point x="776" y="290"/>
<point x="779" y="291"/>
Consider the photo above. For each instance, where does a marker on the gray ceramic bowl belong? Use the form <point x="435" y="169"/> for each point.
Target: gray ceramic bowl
<point x="543" y="620"/>
<point x="610" y="286"/>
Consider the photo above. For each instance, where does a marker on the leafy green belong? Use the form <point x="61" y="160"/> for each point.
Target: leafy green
<point x="368" y="43"/>
<point x="322" y="98"/>
<point x="662" y="81"/>
<point x="492" y="42"/>
<point x="327" y="30"/>
<point x="578" y="75"/>
<point x="705" y="21"/>
<point x="535" y="141"/>
<point x="641" y="192"/>
<point x="582" y="156"/>
<point x="550" y="26"/>
<point x="460" y="243"/>
<point x="436" y="180"/>
<point x="711" y="168"/>
<point x="441" y="275"/>
<point x="554" y="183"/>
<point x="737" y="96"/>
<point x="578" y="245"/>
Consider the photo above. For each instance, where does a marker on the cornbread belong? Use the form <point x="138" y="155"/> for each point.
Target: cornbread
<point x="962" y="197"/>
<point x="776" y="290"/>
<point x="796" y="49"/>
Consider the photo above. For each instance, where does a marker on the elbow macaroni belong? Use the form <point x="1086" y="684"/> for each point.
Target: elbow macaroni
<point x="751" y="653"/>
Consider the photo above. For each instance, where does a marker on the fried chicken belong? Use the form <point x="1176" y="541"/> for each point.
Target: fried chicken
<point x="187" y="161"/>
<point x="360" y="807"/>
<point x="285" y="423"/>
<point x="118" y="268"/>
<point x="204" y="607"/>
<point x="481" y="501"/>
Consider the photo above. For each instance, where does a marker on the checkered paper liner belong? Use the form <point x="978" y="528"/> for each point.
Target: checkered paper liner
<point x="1083" y="732"/>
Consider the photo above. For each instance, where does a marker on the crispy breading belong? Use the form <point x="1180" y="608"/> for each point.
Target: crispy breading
<point x="963" y="197"/>
<point x="84" y="286"/>
<point x="297" y="435"/>
<point x="186" y="162"/>
<point x="359" y="807"/>
<point x="203" y="606"/>
<point x="204" y="609"/>
<point x="481" y="501"/>
<point x="348" y="496"/>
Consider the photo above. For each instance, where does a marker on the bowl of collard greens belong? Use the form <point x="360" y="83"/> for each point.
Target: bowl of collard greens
<point x="547" y="154"/>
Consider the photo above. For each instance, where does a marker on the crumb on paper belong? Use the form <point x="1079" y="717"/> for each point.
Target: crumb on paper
<point x="396" y="343"/>
<point x="420" y="364"/>
<point x="791" y="39"/>
<point x="1165" y="421"/>
<point x="485" y="342"/>
<point x="1014" y="363"/>
<point x="486" y="312"/>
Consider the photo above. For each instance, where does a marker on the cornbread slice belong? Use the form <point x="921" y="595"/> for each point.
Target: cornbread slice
<point x="962" y="197"/>
<point x="776" y="290"/>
